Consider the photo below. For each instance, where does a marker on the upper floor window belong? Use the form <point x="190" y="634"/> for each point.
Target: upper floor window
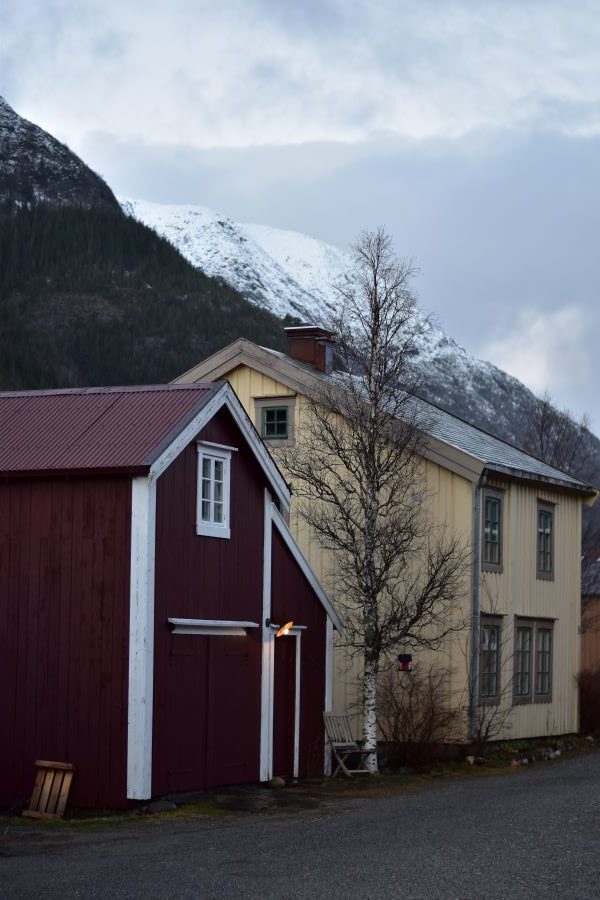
<point x="212" y="514"/>
<point x="489" y="660"/>
<point x="545" y="540"/>
<point x="275" y="419"/>
<point x="492" y="531"/>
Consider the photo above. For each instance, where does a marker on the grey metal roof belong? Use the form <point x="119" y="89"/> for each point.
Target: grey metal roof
<point x="496" y="455"/>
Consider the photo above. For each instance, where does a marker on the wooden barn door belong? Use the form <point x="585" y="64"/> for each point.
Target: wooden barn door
<point x="233" y="712"/>
<point x="284" y="706"/>
<point x="183" y="743"/>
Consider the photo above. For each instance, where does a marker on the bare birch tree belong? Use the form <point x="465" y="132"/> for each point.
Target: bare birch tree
<point x="357" y="468"/>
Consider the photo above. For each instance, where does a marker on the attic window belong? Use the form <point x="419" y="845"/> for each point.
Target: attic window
<point x="275" y="424"/>
<point x="212" y="511"/>
<point x="274" y="419"/>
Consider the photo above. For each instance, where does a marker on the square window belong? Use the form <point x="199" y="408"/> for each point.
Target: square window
<point x="274" y="419"/>
<point x="275" y="424"/>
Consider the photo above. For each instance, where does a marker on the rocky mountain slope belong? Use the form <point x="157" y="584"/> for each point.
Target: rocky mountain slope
<point x="34" y="167"/>
<point x="89" y="295"/>
<point x="292" y="274"/>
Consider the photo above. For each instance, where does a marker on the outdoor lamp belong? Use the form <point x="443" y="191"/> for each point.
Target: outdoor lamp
<point x="285" y="629"/>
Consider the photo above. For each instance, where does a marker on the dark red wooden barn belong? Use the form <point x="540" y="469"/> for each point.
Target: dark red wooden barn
<point x="145" y="565"/>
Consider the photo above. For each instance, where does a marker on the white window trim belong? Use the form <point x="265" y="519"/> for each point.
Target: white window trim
<point x="213" y="529"/>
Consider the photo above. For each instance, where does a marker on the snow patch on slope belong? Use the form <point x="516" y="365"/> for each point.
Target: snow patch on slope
<point x="293" y="274"/>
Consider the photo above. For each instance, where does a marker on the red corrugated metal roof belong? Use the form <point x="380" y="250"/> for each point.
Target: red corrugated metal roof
<point x="94" y="428"/>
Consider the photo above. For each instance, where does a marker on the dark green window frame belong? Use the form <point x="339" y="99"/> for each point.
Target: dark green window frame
<point x="489" y="660"/>
<point x="545" y="541"/>
<point x="275" y="423"/>
<point x="524" y="644"/>
<point x="533" y="660"/>
<point x="543" y="663"/>
<point x="491" y="531"/>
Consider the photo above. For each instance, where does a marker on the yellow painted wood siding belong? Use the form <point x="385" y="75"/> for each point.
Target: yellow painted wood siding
<point x="514" y="592"/>
<point x="518" y="592"/>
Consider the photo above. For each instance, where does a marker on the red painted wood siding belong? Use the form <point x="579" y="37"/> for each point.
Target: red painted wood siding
<point x="203" y="577"/>
<point x="293" y="599"/>
<point x="284" y="706"/>
<point x="64" y="624"/>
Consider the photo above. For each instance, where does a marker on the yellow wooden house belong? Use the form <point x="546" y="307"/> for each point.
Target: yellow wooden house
<point x="519" y="657"/>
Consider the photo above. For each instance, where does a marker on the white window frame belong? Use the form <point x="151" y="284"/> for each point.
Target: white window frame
<point x="208" y="450"/>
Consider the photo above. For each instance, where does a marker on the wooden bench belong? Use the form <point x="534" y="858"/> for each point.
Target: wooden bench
<point x="343" y="745"/>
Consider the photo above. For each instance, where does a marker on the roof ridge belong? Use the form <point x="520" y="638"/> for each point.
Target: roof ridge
<point x="109" y="389"/>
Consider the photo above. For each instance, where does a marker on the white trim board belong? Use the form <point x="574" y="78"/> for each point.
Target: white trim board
<point x="141" y="639"/>
<point x="298" y="637"/>
<point x="267" y="668"/>
<point x="310" y="576"/>
<point x="211" y="627"/>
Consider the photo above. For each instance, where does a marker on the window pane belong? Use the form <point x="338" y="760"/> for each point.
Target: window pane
<point x="492" y="530"/>
<point x="544" y="653"/>
<point x="489" y="661"/>
<point x="523" y="662"/>
<point x="275" y="422"/>
<point x="213" y="492"/>
<point x="544" y="541"/>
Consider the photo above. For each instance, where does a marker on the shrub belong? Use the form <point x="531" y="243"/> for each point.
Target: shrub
<point x="415" y="714"/>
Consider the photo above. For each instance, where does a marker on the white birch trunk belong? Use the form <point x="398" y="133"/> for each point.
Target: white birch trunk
<point x="370" y="714"/>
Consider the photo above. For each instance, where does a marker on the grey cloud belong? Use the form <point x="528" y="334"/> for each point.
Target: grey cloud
<point x="496" y="223"/>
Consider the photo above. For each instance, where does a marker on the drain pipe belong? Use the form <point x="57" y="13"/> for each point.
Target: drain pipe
<point x="475" y="608"/>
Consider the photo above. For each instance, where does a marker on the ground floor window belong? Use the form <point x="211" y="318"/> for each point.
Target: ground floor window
<point x="533" y="660"/>
<point x="489" y="660"/>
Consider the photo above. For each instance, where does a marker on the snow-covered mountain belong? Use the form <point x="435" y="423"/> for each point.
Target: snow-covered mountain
<point x="292" y="274"/>
<point x="283" y="271"/>
<point x="35" y="166"/>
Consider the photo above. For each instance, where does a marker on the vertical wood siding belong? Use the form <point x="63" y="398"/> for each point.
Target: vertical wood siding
<point x="590" y="637"/>
<point x="64" y="614"/>
<point x="292" y="599"/>
<point x="515" y="592"/>
<point x="518" y="592"/>
<point x="207" y="689"/>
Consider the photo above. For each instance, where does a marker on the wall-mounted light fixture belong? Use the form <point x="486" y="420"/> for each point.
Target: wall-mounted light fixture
<point x="285" y="629"/>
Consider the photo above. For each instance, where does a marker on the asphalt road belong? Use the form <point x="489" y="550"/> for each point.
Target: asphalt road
<point x="531" y="833"/>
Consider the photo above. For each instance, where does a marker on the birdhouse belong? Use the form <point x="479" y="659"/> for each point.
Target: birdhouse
<point x="405" y="662"/>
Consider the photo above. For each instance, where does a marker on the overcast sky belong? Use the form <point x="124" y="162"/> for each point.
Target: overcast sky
<point x="471" y="130"/>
